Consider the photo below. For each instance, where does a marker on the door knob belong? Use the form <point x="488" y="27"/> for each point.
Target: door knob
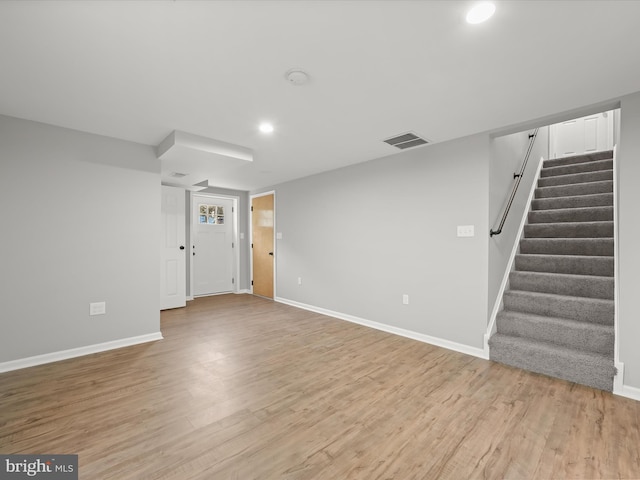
<point x="181" y="247"/>
<point x="271" y="253"/>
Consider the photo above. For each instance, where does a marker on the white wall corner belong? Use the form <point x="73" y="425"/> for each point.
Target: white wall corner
<point x="77" y="352"/>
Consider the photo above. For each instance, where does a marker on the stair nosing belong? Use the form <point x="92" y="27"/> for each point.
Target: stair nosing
<point x="573" y="209"/>
<point x="577" y="173"/>
<point x="590" y="325"/>
<point x="603" y="160"/>
<point x="556" y="296"/>
<point x="577" y="184"/>
<point x="563" y="255"/>
<point x="572" y="223"/>
<point x="555" y="346"/>
<point x="570" y="275"/>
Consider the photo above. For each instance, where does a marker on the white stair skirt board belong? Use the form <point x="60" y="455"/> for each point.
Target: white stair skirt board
<point x="421" y="337"/>
<point x="77" y="352"/>
<point x="618" y="380"/>
<point x="505" y="279"/>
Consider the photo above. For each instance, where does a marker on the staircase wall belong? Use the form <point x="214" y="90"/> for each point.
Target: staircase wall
<point x="628" y="163"/>
<point x="507" y="155"/>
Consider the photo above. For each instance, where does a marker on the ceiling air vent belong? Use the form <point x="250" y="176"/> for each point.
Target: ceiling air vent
<point x="406" y="140"/>
<point x="178" y="174"/>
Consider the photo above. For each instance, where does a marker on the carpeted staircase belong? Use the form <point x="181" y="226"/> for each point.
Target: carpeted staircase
<point x="558" y="316"/>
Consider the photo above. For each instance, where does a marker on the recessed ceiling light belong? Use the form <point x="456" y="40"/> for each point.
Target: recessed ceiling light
<point x="481" y="12"/>
<point x="266" y="127"/>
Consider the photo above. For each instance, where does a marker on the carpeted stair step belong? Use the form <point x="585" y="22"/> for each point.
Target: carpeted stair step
<point x="567" y="246"/>
<point x="569" y="230"/>
<point x="589" y="337"/>
<point x="572" y="264"/>
<point x="562" y="284"/>
<point x="576" y="178"/>
<point x="588" y="157"/>
<point x="577" y="168"/>
<point x="583" y="214"/>
<point x="589" y="188"/>
<point x="594" y="310"/>
<point x="591" y="369"/>
<point x="551" y="203"/>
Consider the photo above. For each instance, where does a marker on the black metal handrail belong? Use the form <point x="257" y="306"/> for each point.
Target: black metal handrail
<point x="517" y="177"/>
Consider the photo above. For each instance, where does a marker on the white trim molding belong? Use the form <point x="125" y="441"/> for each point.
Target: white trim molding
<point x="629" y="392"/>
<point x="516" y="245"/>
<point x="421" y="337"/>
<point x="77" y="352"/>
<point x="618" y="380"/>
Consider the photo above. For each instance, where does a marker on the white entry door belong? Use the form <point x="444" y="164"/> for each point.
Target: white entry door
<point x="213" y="245"/>
<point x="173" y="268"/>
<point x="592" y="133"/>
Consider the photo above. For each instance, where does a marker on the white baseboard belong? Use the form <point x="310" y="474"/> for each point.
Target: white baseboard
<point x="77" y="352"/>
<point x="629" y="392"/>
<point x="619" y="388"/>
<point x="243" y="291"/>
<point x="439" y="342"/>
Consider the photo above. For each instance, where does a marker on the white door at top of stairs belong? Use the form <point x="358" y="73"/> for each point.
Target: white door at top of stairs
<point x="213" y="245"/>
<point x="593" y="133"/>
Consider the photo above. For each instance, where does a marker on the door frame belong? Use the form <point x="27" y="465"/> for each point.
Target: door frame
<point x="236" y="253"/>
<point x="275" y="243"/>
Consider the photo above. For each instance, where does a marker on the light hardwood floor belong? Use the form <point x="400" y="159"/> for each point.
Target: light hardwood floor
<point x="244" y="388"/>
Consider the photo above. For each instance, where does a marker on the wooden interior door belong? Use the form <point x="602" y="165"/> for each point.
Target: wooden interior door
<point x="263" y="254"/>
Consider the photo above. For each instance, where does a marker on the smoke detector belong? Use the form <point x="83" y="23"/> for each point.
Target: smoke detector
<point x="296" y="76"/>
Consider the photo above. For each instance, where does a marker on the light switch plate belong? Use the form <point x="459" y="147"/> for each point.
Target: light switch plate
<point x="466" y="231"/>
<point x="97" y="308"/>
<point x="279" y="236"/>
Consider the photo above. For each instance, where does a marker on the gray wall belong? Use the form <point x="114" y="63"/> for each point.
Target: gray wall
<point x="629" y="232"/>
<point x="362" y="236"/>
<point x="507" y="156"/>
<point x="81" y="217"/>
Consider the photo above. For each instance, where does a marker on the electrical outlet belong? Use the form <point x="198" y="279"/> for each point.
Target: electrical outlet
<point x="405" y="299"/>
<point x="97" y="308"/>
<point x="299" y="280"/>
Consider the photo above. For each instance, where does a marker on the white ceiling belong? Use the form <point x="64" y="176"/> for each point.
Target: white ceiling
<point x="137" y="70"/>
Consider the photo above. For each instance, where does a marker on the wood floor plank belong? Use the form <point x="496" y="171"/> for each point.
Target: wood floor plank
<point x="245" y="388"/>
